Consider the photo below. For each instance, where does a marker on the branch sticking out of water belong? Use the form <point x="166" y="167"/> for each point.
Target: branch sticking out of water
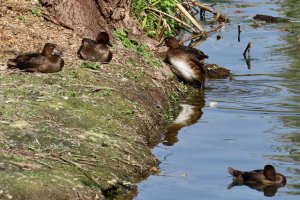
<point x="239" y="33"/>
<point x="248" y="48"/>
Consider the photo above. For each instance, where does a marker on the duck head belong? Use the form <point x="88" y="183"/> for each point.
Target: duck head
<point x="51" y="50"/>
<point x="86" y="42"/>
<point x="270" y="173"/>
<point x="103" y="38"/>
<point x="172" y="43"/>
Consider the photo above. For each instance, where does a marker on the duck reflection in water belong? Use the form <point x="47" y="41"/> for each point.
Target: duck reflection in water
<point x="188" y="115"/>
<point x="266" y="180"/>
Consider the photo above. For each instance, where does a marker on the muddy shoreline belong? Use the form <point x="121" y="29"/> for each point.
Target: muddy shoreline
<point x="73" y="134"/>
<point x="76" y="133"/>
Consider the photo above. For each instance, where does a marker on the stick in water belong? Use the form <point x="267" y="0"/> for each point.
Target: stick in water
<point x="239" y="33"/>
<point x="248" y="48"/>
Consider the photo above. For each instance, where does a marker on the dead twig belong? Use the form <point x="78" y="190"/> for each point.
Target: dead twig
<point x="216" y="28"/>
<point x="248" y="61"/>
<point x="239" y="33"/>
<point x="190" y="17"/>
<point x="163" y="20"/>
<point x="81" y="169"/>
<point x="209" y="9"/>
<point x="158" y="25"/>
<point x="24" y="165"/>
<point x="96" y="88"/>
<point x="191" y="37"/>
<point x="176" y="19"/>
<point x="248" y="48"/>
<point x="163" y="30"/>
<point x="43" y="163"/>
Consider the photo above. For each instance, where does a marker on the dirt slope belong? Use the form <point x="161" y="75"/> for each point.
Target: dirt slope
<point x="73" y="134"/>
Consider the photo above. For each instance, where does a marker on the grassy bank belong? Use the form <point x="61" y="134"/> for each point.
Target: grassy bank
<point x="85" y="130"/>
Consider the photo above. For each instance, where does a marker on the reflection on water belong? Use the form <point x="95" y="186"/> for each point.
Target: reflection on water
<point x="121" y="194"/>
<point x="288" y="150"/>
<point x="268" y="190"/>
<point x="257" y="121"/>
<point x="189" y="114"/>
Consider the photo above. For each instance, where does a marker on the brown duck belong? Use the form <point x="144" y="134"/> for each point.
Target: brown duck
<point x="266" y="176"/>
<point x="49" y="61"/>
<point x="186" y="61"/>
<point x="96" y="51"/>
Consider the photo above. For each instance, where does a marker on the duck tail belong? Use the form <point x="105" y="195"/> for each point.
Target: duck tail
<point x="11" y="63"/>
<point x="231" y="171"/>
<point x="236" y="173"/>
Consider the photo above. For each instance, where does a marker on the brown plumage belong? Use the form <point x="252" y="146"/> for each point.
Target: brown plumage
<point x="190" y="50"/>
<point x="266" y="176"/>
<point x="49" y="61"/>
<point x="186" y="62"/>
<point x="96" y="50"/>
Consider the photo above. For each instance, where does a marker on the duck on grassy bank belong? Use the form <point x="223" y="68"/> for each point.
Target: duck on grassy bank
<point x="49" y="61"/>
<point x="96" y="50"/>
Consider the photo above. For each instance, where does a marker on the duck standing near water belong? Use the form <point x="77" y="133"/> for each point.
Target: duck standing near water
<point x="49" y="61"/>
<point x="187" y="61"/>
<point x="96" y="51"/>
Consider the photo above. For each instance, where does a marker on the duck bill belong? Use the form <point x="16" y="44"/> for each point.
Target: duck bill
<point x="109" y="44"/>
<point x="57" y="52"/>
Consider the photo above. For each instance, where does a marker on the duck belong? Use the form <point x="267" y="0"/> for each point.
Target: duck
<point x="266" y="176"/>
<point x="96" y="50"/>
<point x="186" y="61"/>
<point x="48" y="61"/>
<point x="200" y="55"/>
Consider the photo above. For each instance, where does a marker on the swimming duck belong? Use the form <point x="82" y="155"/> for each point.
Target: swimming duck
<point x="96" y="50"/>
<point x="49" y="61"/>
<point x="266" y="176"/>
<point x="186" y="61"/>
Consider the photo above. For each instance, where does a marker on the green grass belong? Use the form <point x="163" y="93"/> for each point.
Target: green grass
<point x="134" y="75"/>
<point x="149" y="19"/>
<point x="100" y="125"/>
<point x="22" y="18"/>
<point x="106" y="92"/>
<point x="148" y="57"/>
<point x="36" y="11"/>
<point x="90" y="65"/>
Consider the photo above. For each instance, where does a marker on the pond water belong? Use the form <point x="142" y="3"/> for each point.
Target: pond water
<point x="245" y="123"/>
